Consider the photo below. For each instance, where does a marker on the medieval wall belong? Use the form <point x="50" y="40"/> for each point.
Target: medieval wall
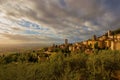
<point x="117" y="46"/>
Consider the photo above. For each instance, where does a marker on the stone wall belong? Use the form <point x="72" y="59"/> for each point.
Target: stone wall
<point x="117" y="46"/>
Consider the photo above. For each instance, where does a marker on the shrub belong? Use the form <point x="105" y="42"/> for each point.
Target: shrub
<point x="100" y="65"/>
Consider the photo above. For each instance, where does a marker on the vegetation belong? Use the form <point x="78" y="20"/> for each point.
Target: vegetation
<point x="100" y="65"/>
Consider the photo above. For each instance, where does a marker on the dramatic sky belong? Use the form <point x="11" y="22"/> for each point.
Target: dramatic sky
<point x="51" y="21"/>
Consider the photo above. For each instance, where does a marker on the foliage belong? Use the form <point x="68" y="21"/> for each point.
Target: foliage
<point x="99" y="65"/>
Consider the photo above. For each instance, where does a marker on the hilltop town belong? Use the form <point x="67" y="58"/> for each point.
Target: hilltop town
<point x="66" y="59"/>
<point x="109" y="40"/>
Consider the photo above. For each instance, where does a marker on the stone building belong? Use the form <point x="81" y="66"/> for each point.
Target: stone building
<point x="108" y="41"/>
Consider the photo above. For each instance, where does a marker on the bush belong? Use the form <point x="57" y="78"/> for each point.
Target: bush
<point x="100" y="65"/>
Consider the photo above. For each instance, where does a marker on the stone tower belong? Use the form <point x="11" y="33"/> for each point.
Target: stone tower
<point x="66" y="41"/>
<point x="109" y="33"/>
<point x="94" y="37"/>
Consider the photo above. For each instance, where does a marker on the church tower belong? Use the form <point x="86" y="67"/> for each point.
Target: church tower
<point x="109" y="33"/>
<point x="66" y="41"/>
<point x="94" y="37"/>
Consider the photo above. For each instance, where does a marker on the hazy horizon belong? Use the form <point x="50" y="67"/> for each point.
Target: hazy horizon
<point x="7" y="48"/>
<point x="24" y="44"/>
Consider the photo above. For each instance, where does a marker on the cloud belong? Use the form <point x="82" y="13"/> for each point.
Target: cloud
<point x="58" y="19"/>
<point x="30" y="38"/>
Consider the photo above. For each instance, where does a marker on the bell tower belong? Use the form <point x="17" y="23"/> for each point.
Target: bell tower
<point x="109" y="33"/>
<point x="66" y="41"/>
<point x="94" y="37"/>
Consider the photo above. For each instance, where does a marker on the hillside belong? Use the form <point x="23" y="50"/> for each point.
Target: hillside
<point x="59" y="63"/>
<point x="117" y="31"/>
<point x="101" y="65"/>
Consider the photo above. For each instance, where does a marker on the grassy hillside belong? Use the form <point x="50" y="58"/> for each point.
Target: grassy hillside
<point x="101" y="65"/>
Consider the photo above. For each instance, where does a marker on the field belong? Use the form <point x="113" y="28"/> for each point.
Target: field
<point x="100" y="65"/>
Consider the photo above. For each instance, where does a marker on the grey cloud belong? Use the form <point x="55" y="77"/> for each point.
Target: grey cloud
<point x="16" y="28"/>
<point x="77" y="12"/>
<point x="64" y="15"/>
<point x="18" y="37"/>
<point x="30" y="38"/>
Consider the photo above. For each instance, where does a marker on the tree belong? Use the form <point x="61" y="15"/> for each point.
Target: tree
<point x="96" y="45"/>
